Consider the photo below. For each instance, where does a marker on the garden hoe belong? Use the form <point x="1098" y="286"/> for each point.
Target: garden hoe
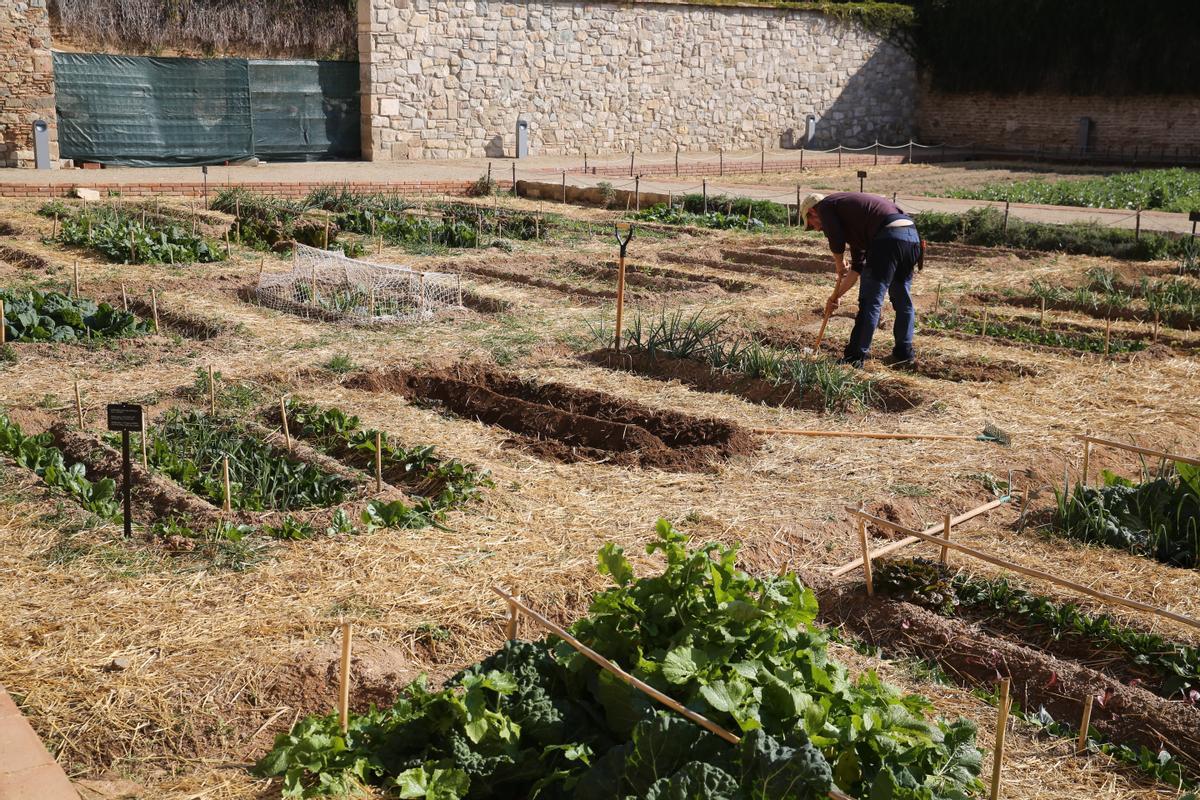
<point x="990" y="434"/>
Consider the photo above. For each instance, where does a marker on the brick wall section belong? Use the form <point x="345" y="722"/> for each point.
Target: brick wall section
<point x="444" y="78"/>
<point x="26" y="80"/>
<point x="1153" y="125"/>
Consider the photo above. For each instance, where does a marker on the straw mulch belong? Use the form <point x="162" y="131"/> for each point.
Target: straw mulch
<point x="128" y="659"/>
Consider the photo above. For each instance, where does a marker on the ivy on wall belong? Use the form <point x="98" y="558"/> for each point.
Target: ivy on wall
<point x="1081" y="47"/>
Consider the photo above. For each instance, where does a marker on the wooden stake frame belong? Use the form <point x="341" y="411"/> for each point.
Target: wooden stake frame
<point x="966" y="516"/>
<point x="1029" y="571"/>
<point x="1133" y="448"/>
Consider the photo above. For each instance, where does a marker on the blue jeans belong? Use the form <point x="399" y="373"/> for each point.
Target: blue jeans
<point x="891" y="258"/>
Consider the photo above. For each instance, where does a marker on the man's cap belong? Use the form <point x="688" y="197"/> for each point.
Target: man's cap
<point x="806" y="205"/>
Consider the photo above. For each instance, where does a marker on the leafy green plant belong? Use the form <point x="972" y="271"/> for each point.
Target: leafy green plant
<point x="539" y="720"/>
<point x="290" y="529"/>
<point x="36" y="316"/>
<point x="663" y="215"/>
<point x="1158" y="517"/>
<point x="38" y="454"/>
<point x="189" y="447"/>
<point x="1175" y="189"/>
<point x="443" y="483"/>
<point x="340" y="363"/>
<point x="395" y="514"/>
<point x="1029" y="334"/>
<point x="985" y="226"/>
<point x="129" y="238"/>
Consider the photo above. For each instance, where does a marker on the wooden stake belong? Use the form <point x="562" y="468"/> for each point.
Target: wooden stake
<point x="287" y="434"/>
<point x="945" y="437"/>
<point x="1087" y="455"/>
<point x="1154" y="339"/>
<point x="947" y="523"/>
<point x="145" y="446"/>
<point x="866" y="556"/>
<point x="514" y="619"/>
<point x="78" y="405"/>
<point x="154" y="308"/>
<point x="228" y="504"/>
<point x="1107" y="335"/>
<point x="124" y="298"/>
<point x="3" y="322"/>
<point x="1042" y="315"/>
<point x="1001" y="729"/>
<point x="1081" y="746"/>
<point x="262" y="266"/>
<point x="326" y="240"/>
<point x="983" y="332"/>
<point x="378" y="461"/>
<point x="77" y="279"/>
<point x="344" y="679"/>
<point x="937" y="299"/>
<point x="54" y="230"/>
<point x="212" y="391"/>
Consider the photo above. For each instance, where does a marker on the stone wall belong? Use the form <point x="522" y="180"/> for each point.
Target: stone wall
<point x="1158" y="127"/>
<point x="446" y="78"/>
<point x="26" y="80"/>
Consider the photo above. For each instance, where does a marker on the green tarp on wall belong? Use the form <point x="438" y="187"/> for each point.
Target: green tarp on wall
<point x="162" y="111"/>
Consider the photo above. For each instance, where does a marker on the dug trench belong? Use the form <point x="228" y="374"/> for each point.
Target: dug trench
<point x="664" y="279"/>
<point x="171" y="320"/>
<point x="1124" y="714"/>
<point x="891" y="396"/>
<point x="690" y="260"/>
<point x="23" y="258"/>
<point x="569" y="424"/>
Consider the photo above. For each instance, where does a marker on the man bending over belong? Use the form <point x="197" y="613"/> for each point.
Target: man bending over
<point x="885" y="249"/>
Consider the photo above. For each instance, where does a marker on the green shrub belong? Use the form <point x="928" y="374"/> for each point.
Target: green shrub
<point x="1158" y="518"/>
<point x="1166" y="189"/>
<point x="985" y="227"/>
<point x="38" y="454"/>
<point x="129" y="238"/>
<point x="36" y="316"/>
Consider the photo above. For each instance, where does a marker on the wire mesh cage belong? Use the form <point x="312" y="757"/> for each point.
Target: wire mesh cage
<point x="329" y="286"/>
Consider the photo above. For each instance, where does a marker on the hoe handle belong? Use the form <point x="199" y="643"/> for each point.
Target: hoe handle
<point x="867" y="434"/>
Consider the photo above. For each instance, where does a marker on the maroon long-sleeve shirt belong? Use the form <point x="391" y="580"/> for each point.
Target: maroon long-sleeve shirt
<point x="852" y="219"/>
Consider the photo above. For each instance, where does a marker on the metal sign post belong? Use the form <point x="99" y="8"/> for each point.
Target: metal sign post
<point x="126" y="417"/>
<point x="618" y="229"/>
<point x="204" y="172"/>
<point x="862" y="176"/>
<point x="1194" y="217"/>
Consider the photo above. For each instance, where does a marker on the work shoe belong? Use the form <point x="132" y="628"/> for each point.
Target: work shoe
<point x="900" y="361"/>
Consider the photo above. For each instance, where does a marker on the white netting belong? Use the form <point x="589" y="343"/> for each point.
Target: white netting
<point x="328" y="285"/>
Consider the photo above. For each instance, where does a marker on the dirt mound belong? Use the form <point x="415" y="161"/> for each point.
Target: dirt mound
<point x="1125" y="714"/>
<point x="780" y="259"/>
<point x="188" y="325"/>
<point x="22" y="258"/>
<point x="153" y="498"/>
<point x="688" y="260"/>
<point x="698" y="375"/>
<point x="568" y="424"/>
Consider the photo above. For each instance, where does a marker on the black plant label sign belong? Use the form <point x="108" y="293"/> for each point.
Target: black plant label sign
<point x="124" y="417"/>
